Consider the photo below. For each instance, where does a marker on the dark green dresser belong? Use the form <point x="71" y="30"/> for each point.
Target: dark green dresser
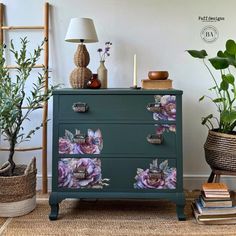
<point x="117" y="144"/>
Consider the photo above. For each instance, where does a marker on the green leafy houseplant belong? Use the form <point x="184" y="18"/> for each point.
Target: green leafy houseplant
<point x="224" y="87"/>
<point x="16" y="104"/>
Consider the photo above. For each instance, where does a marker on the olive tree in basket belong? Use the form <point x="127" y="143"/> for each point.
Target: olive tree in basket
<point x="220" y="146"/>
<point x="16" y="104"/>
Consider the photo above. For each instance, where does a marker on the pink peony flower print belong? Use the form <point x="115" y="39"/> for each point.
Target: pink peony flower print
<point x="167" y="105"/>
<point x="64" y="174"/>
<point x="93" y="143"/>
<point x="65" y="146"/>
<point x="166" y="179"/>
<point x="92" y="170"/>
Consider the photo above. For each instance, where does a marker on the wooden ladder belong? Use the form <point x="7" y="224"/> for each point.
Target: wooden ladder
<point x="45" y="29"/>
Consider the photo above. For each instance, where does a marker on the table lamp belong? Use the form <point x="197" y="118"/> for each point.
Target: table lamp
<point x="81" y="30"/>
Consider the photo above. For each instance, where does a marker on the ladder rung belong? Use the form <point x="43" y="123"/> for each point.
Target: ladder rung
<point x="22" y="149"/>
<point x="21" y="27"/>
<point x="15" y="67"/>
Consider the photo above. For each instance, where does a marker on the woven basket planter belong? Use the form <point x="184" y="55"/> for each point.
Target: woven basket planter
<point x="18" y="192"/>
<point x="220" y="151"/>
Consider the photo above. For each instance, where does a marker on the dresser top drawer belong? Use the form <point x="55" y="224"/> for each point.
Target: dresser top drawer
<point x="114" y="107"/>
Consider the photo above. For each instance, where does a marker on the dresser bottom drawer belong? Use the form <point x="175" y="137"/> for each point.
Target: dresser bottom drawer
<point x="116" y="174"/>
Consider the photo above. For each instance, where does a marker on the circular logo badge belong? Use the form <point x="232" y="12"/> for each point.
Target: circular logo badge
<point x="209" y="34"/>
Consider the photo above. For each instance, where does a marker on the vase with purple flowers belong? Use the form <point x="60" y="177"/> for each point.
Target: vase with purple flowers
<point x="102" y="74"/>
<point x="102" y="70"/>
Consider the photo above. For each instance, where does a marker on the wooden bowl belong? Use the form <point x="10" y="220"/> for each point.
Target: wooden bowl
<point x="158" y="75"/>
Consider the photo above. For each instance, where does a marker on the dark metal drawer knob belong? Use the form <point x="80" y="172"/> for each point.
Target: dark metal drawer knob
<point x="80" y="173"/>
<point x="155" y="138"/>
<point x="80" y="107"/>
<point x="154" y="107"/>
<point x="155" y="174"/>
<point x="80" y="138"/>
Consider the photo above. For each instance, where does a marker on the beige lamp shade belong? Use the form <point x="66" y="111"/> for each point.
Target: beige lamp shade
<point x="81" y="30"/>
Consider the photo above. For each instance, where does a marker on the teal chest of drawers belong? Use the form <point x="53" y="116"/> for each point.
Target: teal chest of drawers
<point x="117" y="144"/>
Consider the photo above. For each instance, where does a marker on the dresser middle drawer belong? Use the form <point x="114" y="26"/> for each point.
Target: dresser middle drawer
<point x="121" y="139"/>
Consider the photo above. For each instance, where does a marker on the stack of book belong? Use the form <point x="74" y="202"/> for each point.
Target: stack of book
<point x="214" y="205"/>
<point x="157" y="84"/>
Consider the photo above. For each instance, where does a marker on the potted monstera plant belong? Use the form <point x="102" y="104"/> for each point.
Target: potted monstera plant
<point x="220" y="146"/>
<point x="18" y="182"/>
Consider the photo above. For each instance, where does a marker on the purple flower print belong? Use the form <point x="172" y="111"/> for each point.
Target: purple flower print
<point x="93" y="143"/>
<point x="144" y="181"/>
<point x="164" y="127"/>
<point x="171" y="179"/>
<point x="65" y="146"/>
<point x="80" y="173"/>
<point x="167" y="105"/>
<point x="64" y="174"/>
<point x="156" y="177"/>
<point x="92" y="170"/>
<point x="172" y="128"/>
<point x="160" y="129"/>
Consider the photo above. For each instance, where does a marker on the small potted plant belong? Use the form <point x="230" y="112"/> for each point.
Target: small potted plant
<point x="220" y="146"/>
<point x="18" y="182"/>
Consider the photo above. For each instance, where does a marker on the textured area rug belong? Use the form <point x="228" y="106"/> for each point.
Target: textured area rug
<point x="108" y="218"/>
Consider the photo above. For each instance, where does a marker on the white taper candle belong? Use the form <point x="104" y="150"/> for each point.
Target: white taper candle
<point x="135" y="71"/>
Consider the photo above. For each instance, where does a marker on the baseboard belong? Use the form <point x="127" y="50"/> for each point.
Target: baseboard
<point x="39" y="182"/>
<point x="191" y="182"/>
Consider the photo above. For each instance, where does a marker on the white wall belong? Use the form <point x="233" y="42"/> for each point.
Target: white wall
<point x="158" y="31"/>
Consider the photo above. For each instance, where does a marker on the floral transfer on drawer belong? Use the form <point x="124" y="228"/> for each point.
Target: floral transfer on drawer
<point x="160" y="129"/>
<point x="78" y="143"/>
<point x="156" y="177"/>
<point x="167" y="107"/>
<point x="80" y="173"/>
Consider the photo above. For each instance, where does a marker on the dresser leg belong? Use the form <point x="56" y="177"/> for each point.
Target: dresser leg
<point x="54" y="211"/>
<point x="180" y="212"/>
<point x="54" y="201"/>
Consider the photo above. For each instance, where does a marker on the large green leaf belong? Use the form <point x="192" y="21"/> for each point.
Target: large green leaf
<point x="224" y="85"/>
<point x="229" y="78"/>
<point x="221" y="54"/>
<point x="197" y="54"/>
<point x="228" y="116"/>
<point x="230" y="58"/>
<point x="219" y="63"/>
<point x="231" y="47"/>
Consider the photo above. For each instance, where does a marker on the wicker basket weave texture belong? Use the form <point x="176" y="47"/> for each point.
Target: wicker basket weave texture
<point x="79" y="77"/>
<point x="19" y="187"/>
<point x="81" y="57"/>
<point x="220" y="151"/>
